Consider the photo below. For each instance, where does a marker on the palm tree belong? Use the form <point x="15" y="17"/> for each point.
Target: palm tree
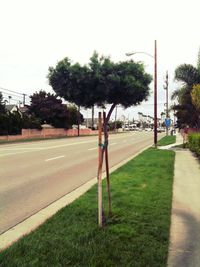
<point x="186" y="112"/>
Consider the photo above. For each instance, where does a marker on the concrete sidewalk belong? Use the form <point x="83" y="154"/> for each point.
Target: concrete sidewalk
<point x="184" y="249"/>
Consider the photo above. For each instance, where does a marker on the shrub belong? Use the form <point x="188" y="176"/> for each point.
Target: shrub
<point x="194" y="142"/>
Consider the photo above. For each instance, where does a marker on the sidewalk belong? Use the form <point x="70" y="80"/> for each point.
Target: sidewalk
<point x="184" y="249"/>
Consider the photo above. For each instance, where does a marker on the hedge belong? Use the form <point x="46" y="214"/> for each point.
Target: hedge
<point x="194" y="142"/>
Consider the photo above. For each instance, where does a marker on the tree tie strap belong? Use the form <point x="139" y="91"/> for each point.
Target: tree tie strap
<point x="103" y="145"/>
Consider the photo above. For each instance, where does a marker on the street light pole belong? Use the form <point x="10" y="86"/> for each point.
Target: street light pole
<point x="155" y="88"/>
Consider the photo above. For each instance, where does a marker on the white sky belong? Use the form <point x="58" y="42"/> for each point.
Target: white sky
<point x="36" y="34"/>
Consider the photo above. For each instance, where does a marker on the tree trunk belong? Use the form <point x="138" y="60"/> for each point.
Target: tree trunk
<point x="115" y="119"/>
<point x="92" y="118"/>
<point x="78" y="120"/>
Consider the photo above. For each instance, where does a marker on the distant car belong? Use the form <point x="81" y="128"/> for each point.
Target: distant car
<point x="160" y="130"/>
<point x="148" y="129"/>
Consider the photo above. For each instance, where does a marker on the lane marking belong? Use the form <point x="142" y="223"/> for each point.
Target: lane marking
<point x="27" y="150"/>
<point x="20" y="148"/>
<point x="113" y="144"/>
<point x="55" y="158"/>
<point x="93" y="148"/>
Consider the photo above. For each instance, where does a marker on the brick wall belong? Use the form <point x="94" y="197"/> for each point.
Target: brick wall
<point x="34" y="133"/>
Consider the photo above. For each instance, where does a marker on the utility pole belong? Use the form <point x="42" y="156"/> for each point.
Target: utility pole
<point x="155" y="95"/>
<point x="24" y="99"/>
<point x="167" y="108"/>
<point x="9" y="97"/>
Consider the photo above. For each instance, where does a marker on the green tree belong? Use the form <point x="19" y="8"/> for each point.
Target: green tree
<point x="2" y="105"/>
<point x="74" y="116"/>
<point x="100" y="83"/>
<point x="195" y="94"/>
<point x="49" y="109"/>
<point x="30" y="122"/>
<point x="118" y="124"/>
<point x="4" y="124"/>
<point x="10" y="123"/>
<point x="185" y="110"/>
<point x="15" y="123"/>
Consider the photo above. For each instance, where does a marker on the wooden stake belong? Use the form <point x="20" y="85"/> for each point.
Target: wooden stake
<point x="100" y="204"/>
<point x="107" y="164"/>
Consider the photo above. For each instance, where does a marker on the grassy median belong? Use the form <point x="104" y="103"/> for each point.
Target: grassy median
<point x="137" y="234"/>
<point x="167" y="140"/>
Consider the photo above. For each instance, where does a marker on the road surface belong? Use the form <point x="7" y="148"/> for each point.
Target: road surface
<point x="35" y="174"/>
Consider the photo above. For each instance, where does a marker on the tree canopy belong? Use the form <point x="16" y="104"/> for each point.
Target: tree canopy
<point x="100" y="82"/>
<point x="186" y="111"/>
<point x="195" y="94"/>
<point x="2" y="105"/>
<point x="49" y="109"/>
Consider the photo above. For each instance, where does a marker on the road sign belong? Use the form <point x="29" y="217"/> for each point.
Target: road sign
<point x="167" y="122"/>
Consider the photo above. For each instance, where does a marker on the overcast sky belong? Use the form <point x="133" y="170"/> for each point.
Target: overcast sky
<point x="36" y="34"/>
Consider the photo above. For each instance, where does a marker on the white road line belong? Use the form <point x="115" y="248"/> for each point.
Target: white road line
<point x="113" y="144"/>
<point x="54" y="158"/>
<point x="26" y="150"/>
<point x="44" y="148"/>
<point x="21" y="148"/>
<point x="93" y="148"/>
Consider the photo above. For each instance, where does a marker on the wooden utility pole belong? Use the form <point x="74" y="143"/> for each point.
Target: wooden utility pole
<point x="24" y="99"/>
<point x="155" y="95"/>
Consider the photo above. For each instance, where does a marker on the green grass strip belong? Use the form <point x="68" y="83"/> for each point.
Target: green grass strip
<point x="167" y="140"/>
<point x="137" y="234"/>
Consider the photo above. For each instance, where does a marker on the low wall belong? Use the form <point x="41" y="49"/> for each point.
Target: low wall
<point x="45" y="133"/>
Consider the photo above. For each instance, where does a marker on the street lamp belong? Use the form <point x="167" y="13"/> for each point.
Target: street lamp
<point x="155" y="87"/>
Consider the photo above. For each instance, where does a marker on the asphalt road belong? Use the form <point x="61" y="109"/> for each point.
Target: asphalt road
<point x="35" y="174"/>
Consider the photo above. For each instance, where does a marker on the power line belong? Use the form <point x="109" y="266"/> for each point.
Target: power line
<point x="15" y="92"/>
<point x="11" y="94"/>
<point x="10" y="90"/>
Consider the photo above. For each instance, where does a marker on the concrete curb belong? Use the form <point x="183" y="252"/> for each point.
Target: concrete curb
<point x="34" y="221"/>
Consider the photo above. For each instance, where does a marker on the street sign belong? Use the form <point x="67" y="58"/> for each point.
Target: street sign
<point x="167" y="122"/>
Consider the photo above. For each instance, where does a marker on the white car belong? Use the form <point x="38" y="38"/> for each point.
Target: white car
<point x="148" y="129"/>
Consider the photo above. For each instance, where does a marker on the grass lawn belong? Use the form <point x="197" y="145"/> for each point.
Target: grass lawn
<point x="167" y="140"/>
<point x="137" y="235"/>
